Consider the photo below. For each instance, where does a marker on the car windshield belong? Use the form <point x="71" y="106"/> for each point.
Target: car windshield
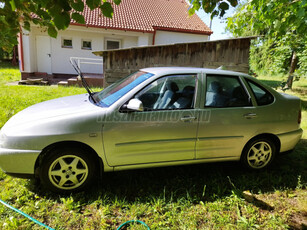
<point x="112" y="93"/>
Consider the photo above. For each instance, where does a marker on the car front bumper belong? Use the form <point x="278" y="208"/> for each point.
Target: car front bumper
<point x="17" y="161"/>
<point x="289" y="140"/>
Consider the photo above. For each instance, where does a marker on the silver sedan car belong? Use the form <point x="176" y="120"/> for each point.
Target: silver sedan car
<point x="151" y="118"/>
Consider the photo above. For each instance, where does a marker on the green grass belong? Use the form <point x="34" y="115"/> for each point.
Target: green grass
<point x="204" y="196"/>
<point x="14" y="98"/>
<point x="8" y="73"/>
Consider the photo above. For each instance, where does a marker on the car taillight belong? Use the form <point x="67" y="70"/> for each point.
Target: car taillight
<point x="299" y="116"/>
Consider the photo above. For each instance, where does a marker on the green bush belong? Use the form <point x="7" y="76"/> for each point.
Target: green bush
<point x="270" y="58"/>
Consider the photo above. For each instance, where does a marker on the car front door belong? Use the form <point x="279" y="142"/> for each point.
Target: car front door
<point x="227" y="118"/>
<point x="165" y="131"/>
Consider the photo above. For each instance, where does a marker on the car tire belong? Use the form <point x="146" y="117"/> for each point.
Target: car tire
<point x="258" y="153"/>
<point x="67" y="170"/>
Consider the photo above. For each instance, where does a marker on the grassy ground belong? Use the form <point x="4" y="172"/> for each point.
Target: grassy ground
<point x="206" y="196"/>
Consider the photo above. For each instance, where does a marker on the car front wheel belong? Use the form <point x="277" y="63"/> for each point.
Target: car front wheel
<point x="258" y="153"/>
<point x="67" y="170"/>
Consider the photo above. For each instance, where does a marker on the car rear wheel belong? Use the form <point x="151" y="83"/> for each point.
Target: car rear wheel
<point x="67" y="170"/>
<point x="258" y="153"/>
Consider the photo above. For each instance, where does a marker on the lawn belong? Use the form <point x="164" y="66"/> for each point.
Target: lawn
<point x="204" y="196"/>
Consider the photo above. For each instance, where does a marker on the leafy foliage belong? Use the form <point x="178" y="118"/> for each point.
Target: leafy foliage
<point x="215" y="7"/>
<point x="282" y="25"/>
<point x="302" y="57"/>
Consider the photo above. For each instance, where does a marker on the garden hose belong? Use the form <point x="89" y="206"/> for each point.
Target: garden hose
<point x="25" y="215"/>
<point x="127" y="223"/>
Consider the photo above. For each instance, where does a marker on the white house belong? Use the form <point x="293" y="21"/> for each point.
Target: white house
<point x="134" y="23"/>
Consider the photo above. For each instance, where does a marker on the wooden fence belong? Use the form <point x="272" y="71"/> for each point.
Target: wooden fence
<point x="233" y="54"/>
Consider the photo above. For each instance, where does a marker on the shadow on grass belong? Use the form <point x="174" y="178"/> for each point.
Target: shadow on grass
<point x="304" y="105"/>
<point x="194" y="183"/>
<point x="272" y="83"/>
<point x="301" y="91"/>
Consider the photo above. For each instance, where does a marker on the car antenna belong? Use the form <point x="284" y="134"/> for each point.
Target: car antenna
<point x="80" y="76"/>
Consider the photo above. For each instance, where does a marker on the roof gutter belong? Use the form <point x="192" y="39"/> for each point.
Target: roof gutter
<point x="155" y="28"/>
<point x="111" y="28"/>
<point x="207" y="32"/>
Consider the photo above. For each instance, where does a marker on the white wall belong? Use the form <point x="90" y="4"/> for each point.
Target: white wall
<point x="29" y="52"/>
<point x="129" y="41"/>
<point x="60" y="56"/>
<point x="144" y="39"/>
<point x="164" y="37"/>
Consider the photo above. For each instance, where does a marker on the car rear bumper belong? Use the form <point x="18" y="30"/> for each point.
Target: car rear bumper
<point x="289" y="140"/>
<point x="17" y="161"/>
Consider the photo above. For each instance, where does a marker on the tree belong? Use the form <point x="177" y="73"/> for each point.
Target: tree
<point x="282" y="25"/>
<point x="214" y="7"/>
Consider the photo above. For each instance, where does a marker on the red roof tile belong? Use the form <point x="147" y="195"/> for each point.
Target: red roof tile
<point x="148" y="15"/>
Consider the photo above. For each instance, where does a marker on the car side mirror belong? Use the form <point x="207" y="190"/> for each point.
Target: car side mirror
<point x="135" y="105"/>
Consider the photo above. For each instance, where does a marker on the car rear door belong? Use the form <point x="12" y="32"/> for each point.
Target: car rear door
<point x="227" y="119"/>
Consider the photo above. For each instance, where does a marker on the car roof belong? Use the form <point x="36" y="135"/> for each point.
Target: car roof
<point x="182" y="70"/>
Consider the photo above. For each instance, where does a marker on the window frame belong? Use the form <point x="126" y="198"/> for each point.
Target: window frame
<point x="195" y="100"/>
<point x="112" y="40"/>
<point x="66" y="46"/>
<point x="109" y="88"/>
<point x="247" y="80"/>
<point x="240" y="81"/>
<point x="82" y="44"/>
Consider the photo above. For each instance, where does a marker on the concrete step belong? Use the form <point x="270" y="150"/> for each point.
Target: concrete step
<point x="74" y="82"/>
<point x="62" y="83"/>
<point x="33" y="81"/>
<point x="91" y="81"/>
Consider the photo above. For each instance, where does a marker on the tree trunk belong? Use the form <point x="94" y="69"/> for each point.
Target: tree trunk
<point x="14" y="59"/>
<point x="292" y="69"/>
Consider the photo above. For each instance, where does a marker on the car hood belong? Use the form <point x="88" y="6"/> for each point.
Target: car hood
<point x="53" y="108"/>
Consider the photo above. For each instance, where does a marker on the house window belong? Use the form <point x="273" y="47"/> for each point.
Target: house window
<point x="66" y="43"/>
<point x="113" y="44"/>
<point x="86" y="44"/>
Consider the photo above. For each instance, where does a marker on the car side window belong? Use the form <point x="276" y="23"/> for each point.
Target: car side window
<point x="263" y="97"/>
<point x="225" y="91"/>
<point x="171" y="92"/>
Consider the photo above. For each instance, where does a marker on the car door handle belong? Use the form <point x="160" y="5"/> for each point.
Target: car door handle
<point x="187" y="118"/>
<point x="250" y="115"/>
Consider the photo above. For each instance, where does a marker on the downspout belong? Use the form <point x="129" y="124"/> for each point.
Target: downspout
<point x="154" y="37"/>
<point x="21" y="51"/>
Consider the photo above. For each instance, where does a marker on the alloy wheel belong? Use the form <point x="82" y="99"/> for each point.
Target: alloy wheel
<point x="259" y="155"/>
<point x="68" y="172"/>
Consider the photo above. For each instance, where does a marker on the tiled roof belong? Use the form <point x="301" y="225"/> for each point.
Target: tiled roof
<point x="148" y="15"/>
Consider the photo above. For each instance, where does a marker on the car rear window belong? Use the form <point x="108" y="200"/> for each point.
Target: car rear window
<point x="225" y="91"/>
<point x="263" y="97"/>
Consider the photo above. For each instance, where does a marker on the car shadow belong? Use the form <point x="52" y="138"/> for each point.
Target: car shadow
<point x="199" y="182"/>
